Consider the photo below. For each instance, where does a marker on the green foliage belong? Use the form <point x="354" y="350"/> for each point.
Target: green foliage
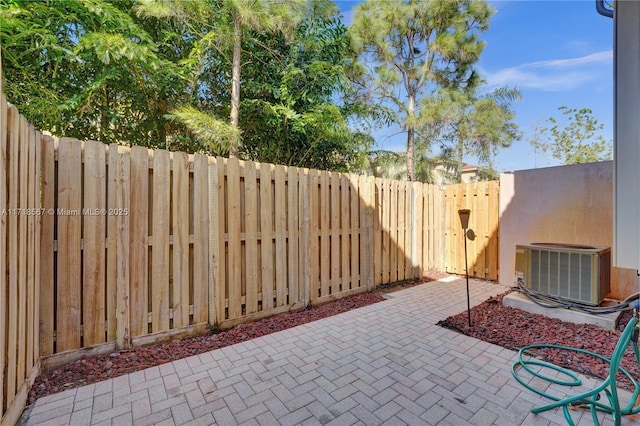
<point x="216" y="134"/>
<point x="577" y="139"/>
<point x="160" y="73"/>
<point x="415" y="48"/>
<point x="294" y="115"/>
<point x="86" y="69"/>
<point x="467" y="124"/>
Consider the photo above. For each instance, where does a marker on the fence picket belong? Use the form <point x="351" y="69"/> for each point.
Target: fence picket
<point x="123" y="195"/>
<point x="314" y="231"/>
<point x="293" y="229"/>
<point x="200" y="239"/>
<point x="22" y="248"/>
<point x="345" y="232"/>
<point x="69" y="304"/>
<point x="139" y="249"/>
<point x="334" y="229"/>
<point x="160" y="241"/>
<point x="30" y="247"/>
<point x="221" y="230"/>
<point x="13" y="232"/>
<point x="325" y="244"/>
<point x="3" y="243"/>
<point x="280" y="216"/>
<point x="93" y="249"/>
<point x="252" y="216"/>
<point x="356" y="232"/>
<point x="266" y="239"/>
<point x="180" y="232"/>
<point x="234" y="257"/>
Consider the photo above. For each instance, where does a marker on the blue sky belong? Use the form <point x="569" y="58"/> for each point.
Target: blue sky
<point x="556" y="52"/>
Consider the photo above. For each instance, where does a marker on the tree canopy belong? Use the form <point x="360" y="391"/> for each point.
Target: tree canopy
<point x="574" y="138"/>
<point x="411" y="49"/>
<point x="273" y="81"/>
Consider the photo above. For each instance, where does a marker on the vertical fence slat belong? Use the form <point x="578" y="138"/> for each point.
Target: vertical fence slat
<point x="266" y="232"/>
<point x="123" y="195"/>
<point x="480" y="207"/>
<point x="355" y="232"/>
<point x="22" y="249"/>
<point x="314" y="229"/>
<point x="377" y="229"/>
<point x="325" y="247"/>
<point x="30" y="249"/>
<point x="345" y="205"/>
<point x="336" y="284"/>
<point x="12" y="230"/>
<point x="3" y="244"/>
<point x="305" y="239"/>
<point x="222" y="269"/>
<point x="93" y="249"/>
<point x="112" y="241"/>
<point x="47" y="254"/>
<point x="252" y="216"/>
<point x="200" y="239"/>
<point x="366" y="215"/>
<point x="139" y="249"/>
<point x="493" y="233"/>
<point x="233" y="221"/>
<point x="427" y="230"/>
<point x="180" y="231"/>
<point x="69" y="273"/>
<point x="395" y="212"/>
<point x="160" y="241"/>
<point x="215" y="315"/>
<point x="386" y="231"/>
<point x="36" y="248"/>
<point x="417" y="244"/>
<point x="280" y="215"/>
<point x="293" y="234"/>
<point x="408" y="226"/>
<point x="402" y="223"/>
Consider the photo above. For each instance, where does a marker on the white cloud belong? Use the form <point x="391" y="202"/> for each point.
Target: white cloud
<point x="553" y="75"/>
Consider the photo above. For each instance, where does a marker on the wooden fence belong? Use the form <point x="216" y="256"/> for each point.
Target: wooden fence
<point x="139" y="245"/>
<point x="107" y="247"/>
<point x="482" y="198"/>
<point x="20" y="224"/>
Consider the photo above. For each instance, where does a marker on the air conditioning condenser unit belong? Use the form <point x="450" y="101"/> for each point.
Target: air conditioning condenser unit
<point x="580" y="274"/>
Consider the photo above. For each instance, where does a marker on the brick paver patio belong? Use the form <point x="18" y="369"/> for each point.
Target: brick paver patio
<point x="386" y="363"/>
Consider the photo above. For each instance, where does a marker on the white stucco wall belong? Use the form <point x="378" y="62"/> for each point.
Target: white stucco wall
<point x="565" y="204"/>
<point x="627" y="134"/>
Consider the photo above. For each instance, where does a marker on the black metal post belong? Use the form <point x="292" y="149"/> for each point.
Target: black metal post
<point x="466" y="271"/>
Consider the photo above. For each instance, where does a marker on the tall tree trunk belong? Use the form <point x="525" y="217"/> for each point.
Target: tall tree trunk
<point x="411" y="137"/>
<point x="235" y="83"/>
<point x="459" y="157"/>
<point x="104" y="116"/>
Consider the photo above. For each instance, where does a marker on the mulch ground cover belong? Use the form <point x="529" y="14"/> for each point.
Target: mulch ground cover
<point x="491" y="322"/>
<point x="513" y="328"/>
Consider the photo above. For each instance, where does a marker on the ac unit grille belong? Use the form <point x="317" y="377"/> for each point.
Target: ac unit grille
<point x="581" y="275"/>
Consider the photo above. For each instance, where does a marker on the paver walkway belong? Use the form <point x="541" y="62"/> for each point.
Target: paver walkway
<point x="387" y="363"/>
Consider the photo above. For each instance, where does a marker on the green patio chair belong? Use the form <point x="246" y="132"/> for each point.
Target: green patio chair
<point x="592" y="398"/>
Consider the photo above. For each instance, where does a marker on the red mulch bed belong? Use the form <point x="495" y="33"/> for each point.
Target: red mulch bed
<point x="513" y="328"/>
<point x="492" y="322"/>
<point x="91" y="369"/>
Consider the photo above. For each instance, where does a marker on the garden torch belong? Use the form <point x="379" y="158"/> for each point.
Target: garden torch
<point x="464" y="221"/>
